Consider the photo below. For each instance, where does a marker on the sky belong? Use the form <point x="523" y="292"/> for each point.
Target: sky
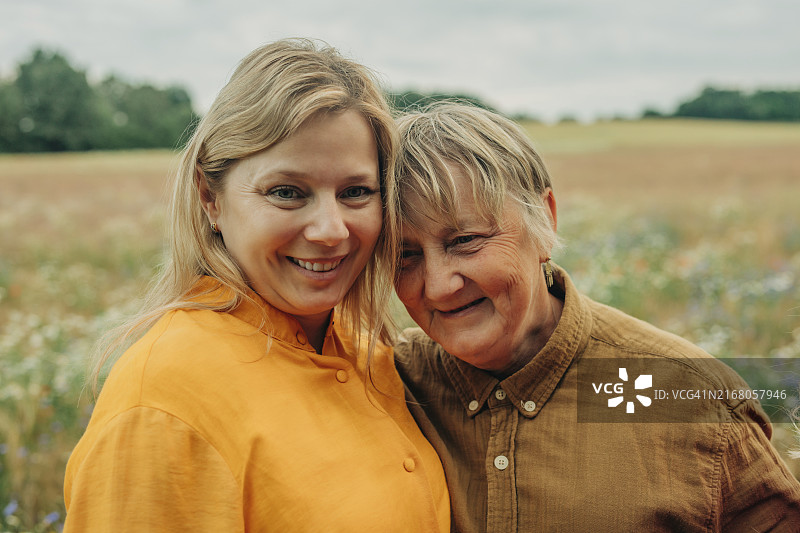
<point x="587" y="59"/>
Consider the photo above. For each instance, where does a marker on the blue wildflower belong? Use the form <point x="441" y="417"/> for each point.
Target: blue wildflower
<point x="10" y="508"/>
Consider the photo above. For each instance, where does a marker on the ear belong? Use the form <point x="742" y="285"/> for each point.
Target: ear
<point x="208" y="199"/>
<point x="549" y="202"/>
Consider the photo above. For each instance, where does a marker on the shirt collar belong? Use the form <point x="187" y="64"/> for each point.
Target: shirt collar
<point x="530" y="387"/>
<point x="255" y="311"/>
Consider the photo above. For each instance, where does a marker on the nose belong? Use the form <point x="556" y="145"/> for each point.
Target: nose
<point x="441" y="278"/>
<point x="327" y="224"/>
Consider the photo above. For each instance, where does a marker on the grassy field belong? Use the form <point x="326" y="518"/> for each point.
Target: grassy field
<point x="691" y="225"/>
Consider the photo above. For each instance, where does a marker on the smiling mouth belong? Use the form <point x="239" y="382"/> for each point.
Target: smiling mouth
<point x="463" y="307"/>
<point x="316" y="266"/>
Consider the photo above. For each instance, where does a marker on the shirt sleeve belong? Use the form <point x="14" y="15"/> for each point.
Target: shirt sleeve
<point x="758" y="491"/>
<point x="149" y="471"/>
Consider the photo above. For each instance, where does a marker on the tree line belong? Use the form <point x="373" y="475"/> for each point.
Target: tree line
<point x="49" y="106"/>
<point x="766" y="105"/>
<point x="733" y="104"/>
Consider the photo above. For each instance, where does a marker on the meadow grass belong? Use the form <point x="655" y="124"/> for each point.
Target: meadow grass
<point x="691" y="225"/>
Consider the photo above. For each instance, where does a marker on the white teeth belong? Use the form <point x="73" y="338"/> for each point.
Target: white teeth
<point x="316" y="267"/>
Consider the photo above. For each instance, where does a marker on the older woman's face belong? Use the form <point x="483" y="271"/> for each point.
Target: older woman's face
<point x="302" y="217"/>
<point x="478" y="291"/>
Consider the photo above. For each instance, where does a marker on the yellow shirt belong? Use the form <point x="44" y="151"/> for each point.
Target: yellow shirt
<point x="215" y="422"/>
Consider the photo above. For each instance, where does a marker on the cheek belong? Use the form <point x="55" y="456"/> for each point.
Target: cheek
<point x="258" y="237"/>
<point x="407" y="288"/>
<point x="516" y="280"/>
<point x="368" y="223"/>
<point x="402" y="287"/>
<point x="506" y="278"/>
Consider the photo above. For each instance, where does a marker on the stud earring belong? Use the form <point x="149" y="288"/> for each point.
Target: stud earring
<point x="214" y="227"/>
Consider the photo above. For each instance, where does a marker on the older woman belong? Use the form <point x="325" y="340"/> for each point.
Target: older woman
<point x="494" y="380"/>
<point x="252" y="400"/>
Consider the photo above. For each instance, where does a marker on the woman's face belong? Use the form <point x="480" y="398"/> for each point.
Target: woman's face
<point x="302" y="217"/>
<point x="478" y="291"/>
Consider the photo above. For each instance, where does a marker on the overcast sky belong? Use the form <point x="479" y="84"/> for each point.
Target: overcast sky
<point x="548" y="58"/>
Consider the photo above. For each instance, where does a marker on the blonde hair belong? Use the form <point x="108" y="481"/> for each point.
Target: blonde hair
<point x="272" y="92"/>
<point x="491" y="151"/>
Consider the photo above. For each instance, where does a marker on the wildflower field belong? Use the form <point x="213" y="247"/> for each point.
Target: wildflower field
<point x="691" y="225"/>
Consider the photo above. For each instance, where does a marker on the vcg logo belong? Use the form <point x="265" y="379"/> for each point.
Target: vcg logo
<point x="644" y="381"/>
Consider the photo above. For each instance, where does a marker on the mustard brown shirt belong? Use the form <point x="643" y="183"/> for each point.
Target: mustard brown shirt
<point x="222" y="422"/>
<point x="517" y="458"/>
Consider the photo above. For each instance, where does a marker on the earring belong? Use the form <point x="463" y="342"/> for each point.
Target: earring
<point x="214" y="227"/>
<point x="548" y="272"/>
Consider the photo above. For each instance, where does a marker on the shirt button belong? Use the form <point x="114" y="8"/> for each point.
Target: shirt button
<point x="409" y="464"/>
<point x="341" y="376"/>
<point x="473" y="405"/>
<point x="500" y="394"/>
<point x="501" y="462"/>
<point x="301" y="338"/>
<point x="529" y="406"/>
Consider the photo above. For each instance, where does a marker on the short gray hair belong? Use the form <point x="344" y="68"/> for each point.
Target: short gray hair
<point x="493" y="153"/>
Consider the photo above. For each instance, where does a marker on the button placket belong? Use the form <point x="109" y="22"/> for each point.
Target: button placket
<point x="500" y="472"/>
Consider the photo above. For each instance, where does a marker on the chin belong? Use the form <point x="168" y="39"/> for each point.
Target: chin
<point x="474" y="354"/>
<point x="316" y="303"/>
<point x="466" y="354"/>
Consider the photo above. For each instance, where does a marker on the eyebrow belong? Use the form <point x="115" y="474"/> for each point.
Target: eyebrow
<point x="444" y="232"/>
<point x="296" y="174"/>
<point x="446" y="228"/>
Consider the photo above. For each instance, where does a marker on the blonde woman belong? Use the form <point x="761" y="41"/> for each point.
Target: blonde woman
<point x="259" y="396"/>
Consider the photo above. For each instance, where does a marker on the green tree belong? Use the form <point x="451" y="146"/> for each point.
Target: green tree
<point x="715" y="103"/>
<point x="410" y="100"/>
<point x="733" y="104"/>
<point x="10" y="117"/>
<point x="776" y="105"/>
<point x="58" y="106"/>
<point x="652" y="113"/>
<point x="144" y="116"/>
<point x="50" y="106"/>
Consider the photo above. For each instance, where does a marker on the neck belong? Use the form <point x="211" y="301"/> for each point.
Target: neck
<point x="536" y="339"/>
<point x="314" y="327"/>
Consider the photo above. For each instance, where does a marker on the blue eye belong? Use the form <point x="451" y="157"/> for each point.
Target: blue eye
<point x="284" y="193"/>
<point x="353" y="193"/>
